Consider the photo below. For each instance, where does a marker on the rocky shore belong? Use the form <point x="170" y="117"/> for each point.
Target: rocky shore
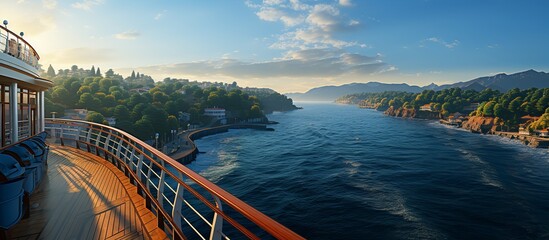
<point x="412" y="113"/>
<point x="484" y="125"/>
<point x="475" y="124"/>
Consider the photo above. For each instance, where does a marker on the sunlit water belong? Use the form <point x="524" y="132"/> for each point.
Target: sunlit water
<point x="339" y="172"/>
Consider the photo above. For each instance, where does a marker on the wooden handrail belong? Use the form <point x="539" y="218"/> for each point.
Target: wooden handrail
<point x="22" y="39"/>
<point x="179" y="181"/>
<point x="272" y="227"/>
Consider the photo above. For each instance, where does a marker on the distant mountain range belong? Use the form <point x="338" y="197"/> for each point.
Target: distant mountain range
<point x="502" y="82"/>
<point x="331" y="93"/>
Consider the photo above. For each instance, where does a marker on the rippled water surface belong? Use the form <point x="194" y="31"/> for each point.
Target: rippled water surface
<point x="338" y="172"/>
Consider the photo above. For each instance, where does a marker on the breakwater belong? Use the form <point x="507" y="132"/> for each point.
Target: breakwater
<point x="189" y="155"/>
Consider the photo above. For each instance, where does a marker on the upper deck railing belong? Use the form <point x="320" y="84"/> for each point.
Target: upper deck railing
<point x="13" y="44"/>
<point x="187" y="205"/>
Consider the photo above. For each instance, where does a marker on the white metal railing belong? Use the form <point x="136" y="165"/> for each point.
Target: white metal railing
<point x="14" y="45"/>
<point x="186" y="204"/>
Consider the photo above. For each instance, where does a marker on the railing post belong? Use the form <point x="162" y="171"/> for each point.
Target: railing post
<point x="119" y="149"/>
<point x="14" y="121"/>
<point x="88" y="136"/>
<point x="160" y="196"/>
<point x="107" y="142"/>
<point x="62" y="131"/>
<point x="139" y="167"/>
<point x="119" y="152"/>
<point x="129" y="161"/>
<point x="217" y="222"/>
<point x="149" y="170"/>
<point x="97" y="141"/>
<point x="177" y="203"/>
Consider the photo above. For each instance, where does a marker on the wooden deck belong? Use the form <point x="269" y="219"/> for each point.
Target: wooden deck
<point x="85" y="197"/>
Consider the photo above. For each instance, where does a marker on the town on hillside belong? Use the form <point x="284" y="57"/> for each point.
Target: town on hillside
<point x="145" y="108"/>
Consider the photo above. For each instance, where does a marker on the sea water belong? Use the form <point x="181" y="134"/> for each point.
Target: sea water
<point x="333" y="171"/>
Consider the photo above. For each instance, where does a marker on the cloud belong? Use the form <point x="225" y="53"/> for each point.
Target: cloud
<point x="160" y="15"/>
<point x="311" y="63"/>
<point x="324" y="16"/>
<point x="272" y="15"/>
<point x="452" y="44"/>
<point x="87" y="4"/>
<point x="273" y="2"/>
<point x="308" y="26"/>
<point x="346" y="3"/>
<point x="82" y="55"/>
<point x="127" y="35"/>
<point x="49" y="4"/>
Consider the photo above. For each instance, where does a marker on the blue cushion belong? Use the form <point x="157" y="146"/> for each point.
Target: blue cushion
<point x="21" y="152"/>
<point x="36" y="149"/>
<point x="10" y="167"/>
<point x="42" y="135"/>
<point x="12" y="211"/>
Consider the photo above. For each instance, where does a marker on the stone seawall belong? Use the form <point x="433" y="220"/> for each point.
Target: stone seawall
<point x="531" y="141"/>
<point x="190" y="155"/>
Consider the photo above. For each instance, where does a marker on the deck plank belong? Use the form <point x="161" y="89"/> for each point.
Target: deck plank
<point x="84" y="196"/>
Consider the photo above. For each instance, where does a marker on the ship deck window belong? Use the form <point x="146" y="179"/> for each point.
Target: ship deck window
<point x="26" y="116"/>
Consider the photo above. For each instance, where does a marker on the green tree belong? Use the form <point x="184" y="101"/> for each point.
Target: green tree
<point x="94" y="87"/>
<point x="109" y="101"/>
<point x="542" y="104"/>
<point x="105" y="84"/>
<point x="121" y="112"/>
<point x="109" y="73"/>
<point x="83" y="89"/>
<point x="488" y="109"/>
<point x="95" y="117"/>
<point x="173" y="123"/>
<point x="51" y="72"/>
<point x="160" y="97"/>
<point x="499" y="111"/>
<point x="60" y="95"/>
<point x="143" y="129"/>
<point x="255" y="111"/>
<point x="87" y="101"/>
<point x="514" y="106"/>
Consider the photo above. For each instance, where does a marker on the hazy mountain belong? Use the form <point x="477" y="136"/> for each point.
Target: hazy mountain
<point x="431" y="86"/>
<point x="331" y="93"/>
<point x="503" y="82"/>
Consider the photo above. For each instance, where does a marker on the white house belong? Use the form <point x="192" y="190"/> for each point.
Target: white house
<point x="471" y="107"/>
<point x="140" y="90"/>
<point x="217" y="113"/>
<point x="543" y="133"/>
<point x="523" y="131"/>
<point x="184" y="116"/>
<point x="426" y="107"/>
<point x="76" y="114"/>
<point x="111" y="121"/>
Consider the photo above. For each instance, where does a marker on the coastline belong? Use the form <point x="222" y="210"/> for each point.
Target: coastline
<point x="479" y="125"/>
<point x="190" y="154"/>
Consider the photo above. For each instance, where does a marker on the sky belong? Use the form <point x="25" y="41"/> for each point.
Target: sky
<point x="289" y="45"/>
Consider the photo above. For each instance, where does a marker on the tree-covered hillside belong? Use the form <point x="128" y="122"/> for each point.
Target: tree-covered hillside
<point x="143" y="107"/>
<point x="509" y="107"/>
